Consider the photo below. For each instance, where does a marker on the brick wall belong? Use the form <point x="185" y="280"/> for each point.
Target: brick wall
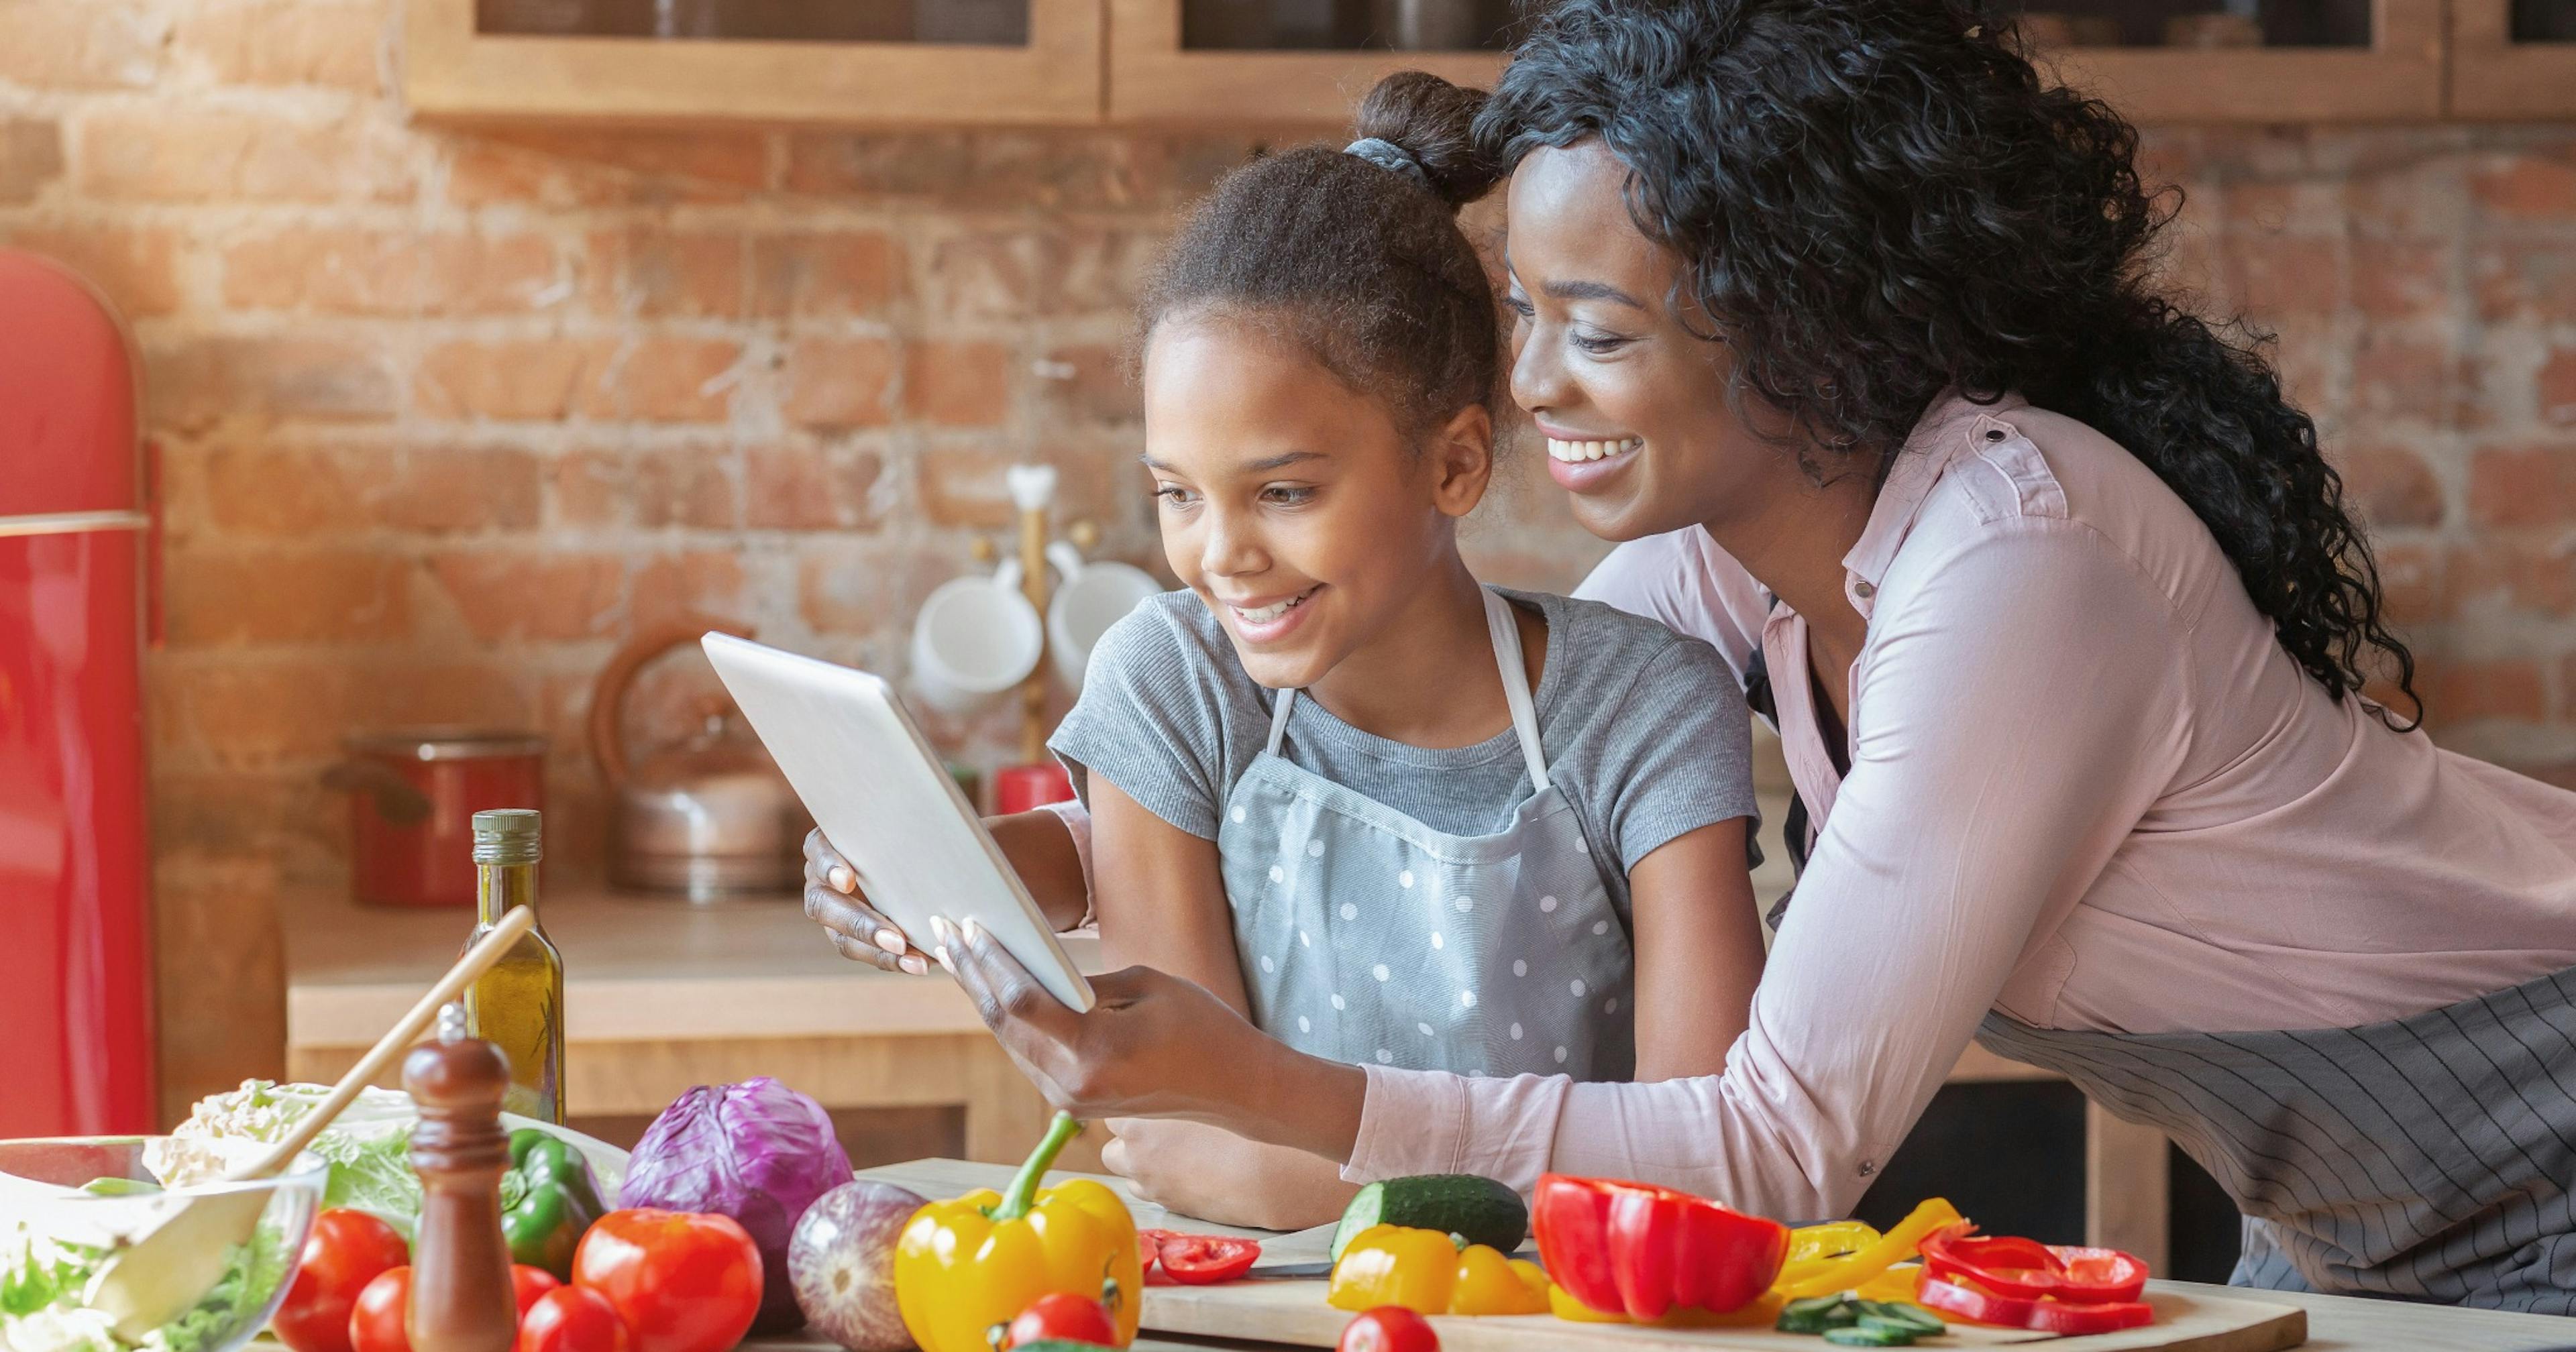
<point x="446" y="416"/>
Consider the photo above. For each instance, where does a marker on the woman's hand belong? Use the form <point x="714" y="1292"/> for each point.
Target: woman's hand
<point x="859" y="933"/>
<point x="1153" y="1045"/>
<point x="1215" y="1175"/>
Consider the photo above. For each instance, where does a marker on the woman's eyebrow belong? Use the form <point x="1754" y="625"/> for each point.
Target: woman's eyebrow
<point x="1591" y="291"/>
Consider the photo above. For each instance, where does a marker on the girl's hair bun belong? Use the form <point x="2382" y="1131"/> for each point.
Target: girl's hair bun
<point x="1433" y="121"/>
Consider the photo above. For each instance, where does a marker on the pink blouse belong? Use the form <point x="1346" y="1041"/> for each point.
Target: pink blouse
<point x="2088" y="789"/>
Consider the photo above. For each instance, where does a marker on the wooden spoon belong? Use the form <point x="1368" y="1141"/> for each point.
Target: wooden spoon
<point x="173" y="1264"/>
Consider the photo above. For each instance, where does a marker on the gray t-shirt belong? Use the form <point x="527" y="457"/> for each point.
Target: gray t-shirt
<point x="1644" y="730"/>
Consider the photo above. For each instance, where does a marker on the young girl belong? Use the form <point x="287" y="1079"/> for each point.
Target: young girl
<point x="1391" y="815"/>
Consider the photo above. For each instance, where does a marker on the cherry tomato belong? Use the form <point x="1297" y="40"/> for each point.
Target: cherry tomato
<point x="344" y="1252"/>
<point x="530" y="1283"/>
<point x="682" y="1282"/>
<point x="572" y="1319"/>
<point x="1389" y="1328"/>
<point x="1198" y="1260"/>
<point x="376" y="1321"/>
<point x="1058" y="1314"/>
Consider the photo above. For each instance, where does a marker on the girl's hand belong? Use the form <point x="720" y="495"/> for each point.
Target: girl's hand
<point x="1154" y="1045"/>
<point x="834" y="901"/>
<point x="1216" y="1175"/>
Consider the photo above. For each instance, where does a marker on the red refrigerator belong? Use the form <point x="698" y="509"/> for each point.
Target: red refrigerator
<point x="76" y="1055"/>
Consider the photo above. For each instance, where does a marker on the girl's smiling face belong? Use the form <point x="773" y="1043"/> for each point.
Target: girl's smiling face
<point x="1632" y="403"/>
<point x="1299" y="511"/>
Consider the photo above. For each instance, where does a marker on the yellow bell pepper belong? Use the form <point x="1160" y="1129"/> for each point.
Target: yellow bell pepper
<point x="1832" y="1239"/>
<point x="965" y="1266"/>
<point x="1901" y="1283"/>
<point x="1894" y="1247"/>
<point x="1426" y="1272"/>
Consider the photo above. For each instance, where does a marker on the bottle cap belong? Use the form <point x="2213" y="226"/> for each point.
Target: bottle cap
<point x="509" y="835"/>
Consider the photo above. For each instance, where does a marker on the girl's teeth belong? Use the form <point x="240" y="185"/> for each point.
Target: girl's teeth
<point x="1267" y="613"/>
<point x="1578" y="451"/>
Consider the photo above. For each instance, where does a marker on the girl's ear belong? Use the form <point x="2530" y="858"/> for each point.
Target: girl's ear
<point x="1461" y="459"/>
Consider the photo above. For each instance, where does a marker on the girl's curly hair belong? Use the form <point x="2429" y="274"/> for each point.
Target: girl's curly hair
<point x="1879" y="200"/>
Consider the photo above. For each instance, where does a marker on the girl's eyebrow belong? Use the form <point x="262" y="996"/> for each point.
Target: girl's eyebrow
<point x="1267" y="463"/>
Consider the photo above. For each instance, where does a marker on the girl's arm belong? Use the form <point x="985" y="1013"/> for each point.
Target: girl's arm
<point x="1160" y="899"/>
<point x="1698" y="939"/>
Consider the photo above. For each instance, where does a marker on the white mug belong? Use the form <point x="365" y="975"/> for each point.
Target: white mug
<point x="975" y="638"/>
<point x="1089" y="598"/>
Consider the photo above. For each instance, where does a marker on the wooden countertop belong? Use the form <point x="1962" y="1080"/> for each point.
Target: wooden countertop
<point x="635" y="969"/>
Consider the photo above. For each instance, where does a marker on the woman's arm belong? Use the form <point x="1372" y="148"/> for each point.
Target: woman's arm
<point x="1699" y="950"/>
<point x="1162" y="905"/>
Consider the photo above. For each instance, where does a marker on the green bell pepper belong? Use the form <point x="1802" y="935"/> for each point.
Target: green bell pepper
<point x="550" y="1198"/>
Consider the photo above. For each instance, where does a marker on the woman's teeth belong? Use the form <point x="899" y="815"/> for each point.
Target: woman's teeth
<point x="1591" y="450"/>
<point x="1266" y="614"/>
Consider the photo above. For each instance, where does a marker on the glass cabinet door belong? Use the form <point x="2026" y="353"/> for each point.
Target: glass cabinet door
<point x="862" y="62"/>
<point x="2200" y="25"/>
<point x="1291" y="62"/>
<point x="2180" y="61"/>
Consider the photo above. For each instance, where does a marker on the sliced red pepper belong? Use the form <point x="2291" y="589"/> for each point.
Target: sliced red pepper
<point x="2010" y="1266"/>
<point x="1203" y="1260"/>
<point x="2024" y="1312"/>
<point x="1149" y="1256"/>
<point x="1647" y="1251"/>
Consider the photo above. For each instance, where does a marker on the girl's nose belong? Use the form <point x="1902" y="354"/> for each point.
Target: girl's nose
<point x="1231" y="547"/>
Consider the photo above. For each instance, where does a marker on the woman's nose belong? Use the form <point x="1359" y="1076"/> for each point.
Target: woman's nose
<point x="1538" y="379"/>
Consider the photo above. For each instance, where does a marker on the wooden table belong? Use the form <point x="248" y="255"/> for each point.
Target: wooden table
<point x="661" y="995"/>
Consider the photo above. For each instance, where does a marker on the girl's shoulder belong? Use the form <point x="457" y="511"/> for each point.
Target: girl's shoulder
<point x="1601" y="656"/>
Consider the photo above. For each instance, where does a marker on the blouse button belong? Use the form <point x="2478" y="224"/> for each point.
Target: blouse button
<point x="1864" y="590"/>
<point x="1994" y="434"/>
<point x="1868" y="1167"/>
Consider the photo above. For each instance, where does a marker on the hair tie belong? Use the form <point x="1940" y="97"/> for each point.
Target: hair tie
<point x="1386" y="154"/>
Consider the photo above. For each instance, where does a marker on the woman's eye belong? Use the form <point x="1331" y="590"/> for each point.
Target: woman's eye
<point x="1599" y="343"/>
<point x="1519" y="305"/>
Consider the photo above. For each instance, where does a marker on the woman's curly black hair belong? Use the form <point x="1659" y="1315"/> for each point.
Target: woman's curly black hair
<point x="1879" y="200"/>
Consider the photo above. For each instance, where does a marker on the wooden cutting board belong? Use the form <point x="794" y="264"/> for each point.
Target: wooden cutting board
<point x="1295" y="1312"/>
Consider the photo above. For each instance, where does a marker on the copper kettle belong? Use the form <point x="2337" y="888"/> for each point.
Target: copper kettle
<point x="707" y="819"/>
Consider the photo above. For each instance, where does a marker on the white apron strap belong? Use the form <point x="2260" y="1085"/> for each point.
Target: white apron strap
<point x="1279" y="707"/>
<point x="1516" y="690"/>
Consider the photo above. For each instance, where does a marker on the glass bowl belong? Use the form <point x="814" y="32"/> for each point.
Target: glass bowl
<point x="210" y="1263"/>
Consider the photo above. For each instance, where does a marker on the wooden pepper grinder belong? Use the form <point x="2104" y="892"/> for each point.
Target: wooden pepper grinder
<point x="461" y="1299"/>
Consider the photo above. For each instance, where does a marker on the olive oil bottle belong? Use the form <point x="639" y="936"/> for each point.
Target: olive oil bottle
<point x="518" y="1004"/>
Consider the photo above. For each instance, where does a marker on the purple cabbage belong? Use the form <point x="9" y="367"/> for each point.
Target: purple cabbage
<point x="757" y="1151"/>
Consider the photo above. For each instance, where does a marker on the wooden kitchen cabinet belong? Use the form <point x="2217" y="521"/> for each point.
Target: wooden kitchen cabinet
<point x="693" y="62"/>
<point x="1286" y="61"/>
<point x="2513" y="58"/>
<point x="2272" y="61"/>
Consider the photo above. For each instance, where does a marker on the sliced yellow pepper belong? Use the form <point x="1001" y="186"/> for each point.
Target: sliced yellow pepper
<point x="1426" y="1272"/>
<point x="962" y="1268"/>
<point x="1832" y="1239"/>
<point x="1901" y="1283"/>
<point x="1894" y="1247"/>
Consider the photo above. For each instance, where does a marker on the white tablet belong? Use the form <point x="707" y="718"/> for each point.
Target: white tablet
<point x="887" y="804"/>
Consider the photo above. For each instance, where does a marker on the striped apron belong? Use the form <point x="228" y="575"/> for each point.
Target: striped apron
<point x="2425" y="1158"/>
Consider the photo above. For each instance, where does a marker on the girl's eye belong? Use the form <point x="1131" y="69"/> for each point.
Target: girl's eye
<point x="1286" y="495"/>
<point x="1172" y="495"/>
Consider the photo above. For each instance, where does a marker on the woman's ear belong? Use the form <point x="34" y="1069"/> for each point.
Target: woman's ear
<point x="1461" y="457"/>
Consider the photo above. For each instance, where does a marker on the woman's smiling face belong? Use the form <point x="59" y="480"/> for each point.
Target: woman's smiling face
<point x="1632" y="403"/>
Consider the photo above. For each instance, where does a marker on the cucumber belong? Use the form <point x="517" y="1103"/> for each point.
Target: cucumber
<point x="1478" y="1210"/>
<point x="1870" y="1333"/>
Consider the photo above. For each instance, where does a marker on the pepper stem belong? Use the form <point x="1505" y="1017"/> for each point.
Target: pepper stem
<point x="1024" y="1185"/>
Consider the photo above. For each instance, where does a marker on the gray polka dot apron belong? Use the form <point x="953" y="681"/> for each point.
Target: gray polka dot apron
<point x="2428" y="1158"/>
<point x="1367" y="936"/>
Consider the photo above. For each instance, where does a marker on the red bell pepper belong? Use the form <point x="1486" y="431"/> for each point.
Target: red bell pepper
<point x="1644" y="1251"/>
<point x="2009" y="1266"/>
<point x="2045" y="1315"/>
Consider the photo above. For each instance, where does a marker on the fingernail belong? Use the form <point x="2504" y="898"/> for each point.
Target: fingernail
<point x="915" y="966"/>
<point x="941" y="953"/>
<point x="842" y="879"/>
<point x="939" y="926"/>
<point x="973" y="930"/>
<point x="890" y="940"/>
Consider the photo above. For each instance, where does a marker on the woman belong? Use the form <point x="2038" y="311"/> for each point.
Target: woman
<point x="2065" y="630"/>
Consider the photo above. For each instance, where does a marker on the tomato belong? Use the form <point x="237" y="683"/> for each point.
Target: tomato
<point x="1199" y="1260"/>
<point x="376" y="1321"/>
<point x="344" y="1252"/>
<point x="1388" y="1328"/>
<point x="1059" y="1314"/>
<point x="682" y="1282"/>
<point x="572" y="1319"/>
<point x="530" y="1283"/>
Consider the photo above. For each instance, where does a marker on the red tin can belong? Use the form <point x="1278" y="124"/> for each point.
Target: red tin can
<point x="1018" y="788"/>
<point x="413" y="793"/>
